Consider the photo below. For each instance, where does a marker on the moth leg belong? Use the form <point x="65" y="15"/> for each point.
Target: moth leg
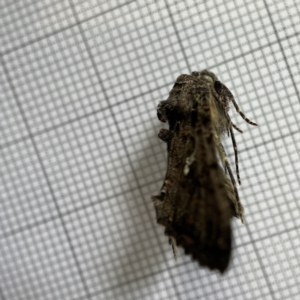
<point x="220" y="150"/>
<point x="172" y="242"/>
<point x="236" y="211"/>
<point x="241" y="113"/>
<point x="236" y="128"/>
<point x="236" y="155"/>
<point x="230" y="125"/>
<point x="227" y="167"/>
<point x="165" y="135"/>
<point x="223" y="90"/>
<point x="239" y="205"/>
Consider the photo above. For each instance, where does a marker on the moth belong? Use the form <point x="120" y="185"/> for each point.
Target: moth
<point x="199" y="196"/>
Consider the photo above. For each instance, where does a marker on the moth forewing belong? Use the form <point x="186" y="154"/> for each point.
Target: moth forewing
<point x="197" y="198"/>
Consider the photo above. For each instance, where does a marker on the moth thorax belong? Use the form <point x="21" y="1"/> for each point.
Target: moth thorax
<point x="207" y="78"/>
<point x="215" y="116"/>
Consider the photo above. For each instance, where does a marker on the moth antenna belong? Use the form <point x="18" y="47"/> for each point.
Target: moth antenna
<point x="235" y="154"/>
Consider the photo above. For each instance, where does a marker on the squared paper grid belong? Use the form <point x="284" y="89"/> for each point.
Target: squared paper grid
<point x="80" y="157"/>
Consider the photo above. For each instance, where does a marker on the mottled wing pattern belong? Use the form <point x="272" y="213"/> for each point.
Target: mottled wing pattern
<point x="197" y="199"/>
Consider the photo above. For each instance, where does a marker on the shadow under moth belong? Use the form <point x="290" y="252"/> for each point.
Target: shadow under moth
<point x="199" y="195"/>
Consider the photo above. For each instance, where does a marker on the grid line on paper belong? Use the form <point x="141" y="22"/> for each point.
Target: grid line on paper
<point x="66" y="213"/>
<point x="112" y="113"/>
<point x="69" y="212"/>
<point x="266" y="260"/>
<point x="46" y="177"/>
<point x="247" y="227"/>
<point x="180" y="264"/>
<point x="110" y="106"/>
<point x="290" y="75"/>
<point x="260" y="262"/>
<point x="117" y="7"/>
<point x="283" y="52"/>
<point x="1" y="294"/>
<point x="61" y="30"/>
<point x="251" y="237"/>
<point x="178" y="37"/>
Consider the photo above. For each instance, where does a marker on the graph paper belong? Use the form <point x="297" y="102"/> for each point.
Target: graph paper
<point x="80" y="157"/>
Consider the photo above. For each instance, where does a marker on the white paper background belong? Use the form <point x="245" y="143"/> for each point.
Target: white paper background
<point x="80" y="157"/>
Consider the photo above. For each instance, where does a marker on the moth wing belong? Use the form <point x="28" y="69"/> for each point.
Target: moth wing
<point x="202" y="212"/>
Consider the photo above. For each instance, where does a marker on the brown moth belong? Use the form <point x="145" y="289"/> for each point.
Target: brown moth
<point x="198" y="198"/>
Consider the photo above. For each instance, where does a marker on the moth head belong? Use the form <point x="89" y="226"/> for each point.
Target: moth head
<point x="205" y="75"/>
